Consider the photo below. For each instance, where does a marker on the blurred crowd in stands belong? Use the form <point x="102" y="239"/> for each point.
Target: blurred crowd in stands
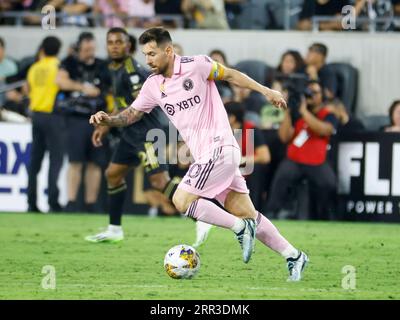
<point x="205" y="14"/>
<point x="286" y="148"/>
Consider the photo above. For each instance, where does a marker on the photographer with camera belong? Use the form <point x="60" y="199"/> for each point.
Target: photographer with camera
<point x="307" y="128"/>
<point x="84" y="81"/>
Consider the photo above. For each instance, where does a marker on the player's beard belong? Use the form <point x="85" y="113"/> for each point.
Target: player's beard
<point x="163" y="70"/>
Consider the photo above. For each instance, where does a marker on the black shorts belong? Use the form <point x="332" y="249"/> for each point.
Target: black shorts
<point x="79" y="142"/>
<point x="135" y="154"/>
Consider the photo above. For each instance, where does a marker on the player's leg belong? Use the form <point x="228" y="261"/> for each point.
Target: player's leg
<point x="205" y="210"/>
<point x="123" y="159"/>
<point x="203" y="182"/>
<point x="157" y="172"/>
<point x="116" y="189"/>
<point x="238" y="204"/>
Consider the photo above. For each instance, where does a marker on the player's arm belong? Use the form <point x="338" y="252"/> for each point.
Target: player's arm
<point x="320" y="127"/>
<point x="220" y="72"/>
<point x="125" y="118"/>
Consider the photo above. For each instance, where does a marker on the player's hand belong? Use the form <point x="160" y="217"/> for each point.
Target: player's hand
<point x="98" y="135"/>
<point x="100" y="119"/>
<point x="276" y="98"/>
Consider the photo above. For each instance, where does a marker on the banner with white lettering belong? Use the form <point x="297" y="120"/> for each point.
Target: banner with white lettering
<point x="15" y="146"/>
<point x="368" y="169"/>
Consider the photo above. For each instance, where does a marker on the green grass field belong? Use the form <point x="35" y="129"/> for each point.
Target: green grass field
<point x="134" y="269"/>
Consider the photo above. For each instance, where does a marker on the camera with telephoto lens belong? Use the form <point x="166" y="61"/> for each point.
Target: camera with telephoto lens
<point x="296" y="85"/>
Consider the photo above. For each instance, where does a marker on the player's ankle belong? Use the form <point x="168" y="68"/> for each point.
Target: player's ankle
<point x="238" y="226"/>
<point x="115" y="228"/>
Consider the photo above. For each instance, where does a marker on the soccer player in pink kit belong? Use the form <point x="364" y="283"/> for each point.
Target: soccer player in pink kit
<point x="184" y="89"/>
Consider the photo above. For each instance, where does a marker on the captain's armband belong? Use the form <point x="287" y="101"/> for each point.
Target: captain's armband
<point x="217" y="71"/>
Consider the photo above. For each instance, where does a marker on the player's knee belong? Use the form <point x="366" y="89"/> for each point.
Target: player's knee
<point x="180" y="202"/>
<point x="114" y="177"/>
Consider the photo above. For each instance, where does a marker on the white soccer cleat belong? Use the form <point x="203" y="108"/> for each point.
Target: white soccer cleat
<point x="246" y="238"/>
<point x="107" y="236"/>
<point x="202" y="232"/>
<point x="296" y="266"/>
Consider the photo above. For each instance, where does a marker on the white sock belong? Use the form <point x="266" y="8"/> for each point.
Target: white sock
<point x="238" y="226"/>
<point x="153" y="212"/>
<point x="290" y="252"/>
<point x="114" y="229"/>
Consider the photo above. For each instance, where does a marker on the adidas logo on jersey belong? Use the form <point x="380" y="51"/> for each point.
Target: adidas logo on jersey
<point x="188" y="182"/>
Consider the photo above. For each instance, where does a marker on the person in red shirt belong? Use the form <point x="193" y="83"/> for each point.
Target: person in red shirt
<point x="307" y="132"/>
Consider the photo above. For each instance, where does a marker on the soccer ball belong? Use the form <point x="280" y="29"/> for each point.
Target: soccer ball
<point x="182" y="262"/>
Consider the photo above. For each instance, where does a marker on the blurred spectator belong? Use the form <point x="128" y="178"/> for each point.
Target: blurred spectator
<point x="10" y="116"/>
<point x="9" y="5"/>
<point x="291" y="68"/>
<point x="252" y="101"/>
<point x="178" y="49"/>
<point x="233" y="10"/>
<point x="114" y="11"/>
<point x="7" y="66"/>
<point x="16" y="100"/>
<point x="255" y="151"/>
<point x="168" y="7"/>
<point x="317" y="69"/>
<point x="347" y="123"/>
<point x="291" y="63"/>
<point x="380" y="9"/>
<point x="141" y="14"/>
<point x="328" y="8"/>
<point x="75" y="9"/>
<point x="47" y="126"/>
<point x="206" y="14"/>
<point x="223" y="87"/>
<point x="394" y="115"/>
<point x="307" y="127"/>
<point x="83" y="82"/>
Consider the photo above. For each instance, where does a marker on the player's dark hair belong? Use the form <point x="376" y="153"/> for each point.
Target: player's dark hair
<point x="319" y="47"/>
<point x="133" y="42"/>
<point x="118" y="30"/>
<point x="51" y="46"/>
<point x="391" y="110"/>
<point x="84" y="36"/>
<point x="236" y="109"/>
<point x="2" y="43"/>
<point x="158" y="34"/>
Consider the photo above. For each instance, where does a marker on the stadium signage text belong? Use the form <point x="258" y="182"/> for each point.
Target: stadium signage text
<point x="368" y="168"/>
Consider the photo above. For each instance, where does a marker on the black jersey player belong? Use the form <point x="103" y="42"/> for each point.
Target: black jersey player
<point x="127" y="77"/>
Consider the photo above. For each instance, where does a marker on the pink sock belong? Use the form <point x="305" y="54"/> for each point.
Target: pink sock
<point x="268" y="234"/>
<point x="206" y="211"/>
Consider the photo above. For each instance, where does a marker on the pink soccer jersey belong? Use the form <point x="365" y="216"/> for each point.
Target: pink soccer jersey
<point x="192" y="103"/>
